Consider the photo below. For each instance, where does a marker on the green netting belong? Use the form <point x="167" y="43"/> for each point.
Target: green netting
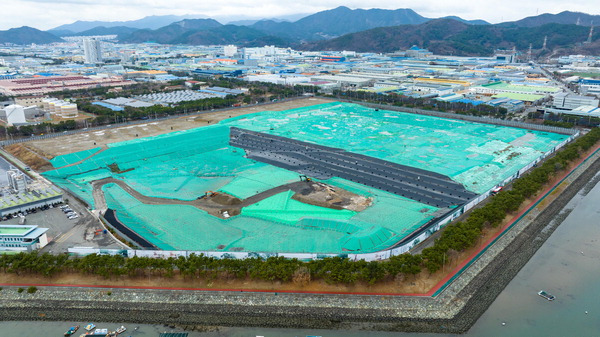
<point x="369" y="239"/>
<point x="451" y="147"/>
<point x="170" y="226"/>
<point x="282" y="208"/>
<point x="329" y="225"/>
<point x="258" y="179"/>
<point x="186" y="164"/>
<point x="189" y="228"/>
<point x="72" y="158"/>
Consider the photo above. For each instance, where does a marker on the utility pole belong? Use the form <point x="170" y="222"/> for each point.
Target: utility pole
<point x="589" y="39"/>
<point x="545" y="42"/>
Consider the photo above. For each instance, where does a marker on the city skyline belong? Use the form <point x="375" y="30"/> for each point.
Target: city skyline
<point x="48" y="14"/>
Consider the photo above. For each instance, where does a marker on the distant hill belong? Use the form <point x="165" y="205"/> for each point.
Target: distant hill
<point x="339" y="21"/>
<point x="451" y="37"/>
<point x="172" y="32"/>
<point x="343" y="20"/>
<point x="204" y="32"/>
<point x="565" y="17"/>
<point x="27" y="35"/>
<point x="318" y="26"/>
<point x="149" y="22"/>
<point x="470" y="22"/>
<point x="62" y="32"/>
<point x="249" y="22"/>
<point x="231" y="34"/>
<point x="119" y="31"/>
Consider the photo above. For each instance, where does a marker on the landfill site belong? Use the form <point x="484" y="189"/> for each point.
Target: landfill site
<point x="332" y="178"/>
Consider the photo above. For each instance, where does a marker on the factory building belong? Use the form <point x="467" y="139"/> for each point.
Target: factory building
<point x="230" y="50"/>
<point x="567" y="101"/>
<point x="19" y="238"/>
<point x="590" y="87"/>
<point x="44" y="85"/>
<point x="503" y="87"/>
<point x="30" y="100"/>
<point x="508" y="56"/>
<point x="16" y="114"/>
<point x="31" y="198"/>
<point x="13" y="114"/>
<point x="16" y="181"/>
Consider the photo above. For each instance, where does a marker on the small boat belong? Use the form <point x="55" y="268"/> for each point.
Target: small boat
<point x="72" y="330"/>
<point x="90" y="327"/>
<point x="99" y="332"/>
<point x="121" y="329"/>
<point x="546" y="295"/>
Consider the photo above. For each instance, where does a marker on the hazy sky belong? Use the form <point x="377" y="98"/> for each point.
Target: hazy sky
<point x="46" y="14"/>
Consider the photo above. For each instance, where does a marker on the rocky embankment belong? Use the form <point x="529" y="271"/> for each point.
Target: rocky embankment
<point x="455" y="310"/>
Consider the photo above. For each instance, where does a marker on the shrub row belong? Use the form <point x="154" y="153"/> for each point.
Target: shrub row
<point x="455" y="238"/>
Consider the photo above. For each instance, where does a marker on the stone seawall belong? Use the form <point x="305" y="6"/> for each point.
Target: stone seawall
<point x="455" y="310"/>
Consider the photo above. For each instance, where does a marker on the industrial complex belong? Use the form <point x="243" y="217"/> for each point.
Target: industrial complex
<point x="201" y="186"/>
<point x="331" y="179"/>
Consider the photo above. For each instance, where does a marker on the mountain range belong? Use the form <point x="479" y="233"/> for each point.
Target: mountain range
<point x="27" y="35"/>
<point x="149" y="22"/>
<point x="566" y="18"/>
<point x="450" y="37"/>
<point x="375" y="30"/>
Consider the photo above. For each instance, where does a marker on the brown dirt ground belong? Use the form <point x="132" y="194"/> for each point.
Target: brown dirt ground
<point x="83" y="141"/>
<point x="34" y="158"/>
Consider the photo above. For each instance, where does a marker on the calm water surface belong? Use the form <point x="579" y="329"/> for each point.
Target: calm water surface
<point x="568" y="266"/>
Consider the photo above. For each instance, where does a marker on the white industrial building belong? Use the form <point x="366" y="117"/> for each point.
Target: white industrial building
<point x="230" y="50"/>
<point x="282" y="79"/>
<point x="16" y="181"/>
<point x="175" y="97"/>
<point x="13" y="114"/>
<point x="22" y="238"/>
<point x="568" y="101"/>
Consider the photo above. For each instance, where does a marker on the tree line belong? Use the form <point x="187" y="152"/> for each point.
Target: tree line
<point x="423" y="103"/>
<point x="455" y="238"/>
<point x="334" y="270"/>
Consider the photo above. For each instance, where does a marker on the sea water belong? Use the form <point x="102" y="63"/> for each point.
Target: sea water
<point x="567" y="266"/>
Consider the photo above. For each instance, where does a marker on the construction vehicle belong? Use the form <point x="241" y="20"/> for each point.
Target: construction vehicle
<point x="208" y="194"/>
<point x="100" y="231"/>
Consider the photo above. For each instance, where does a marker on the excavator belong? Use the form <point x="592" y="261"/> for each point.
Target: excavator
<point x="208" y="194"/>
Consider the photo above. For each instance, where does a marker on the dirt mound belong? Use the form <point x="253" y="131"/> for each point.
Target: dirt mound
<point x="323" y="195"/>
<point x="225" y="199"/>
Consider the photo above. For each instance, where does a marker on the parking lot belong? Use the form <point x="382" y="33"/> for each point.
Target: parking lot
<point x="64" y="233"/>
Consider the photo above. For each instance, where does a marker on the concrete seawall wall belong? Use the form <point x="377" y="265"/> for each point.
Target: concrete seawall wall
<point x="454" y="310"/>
